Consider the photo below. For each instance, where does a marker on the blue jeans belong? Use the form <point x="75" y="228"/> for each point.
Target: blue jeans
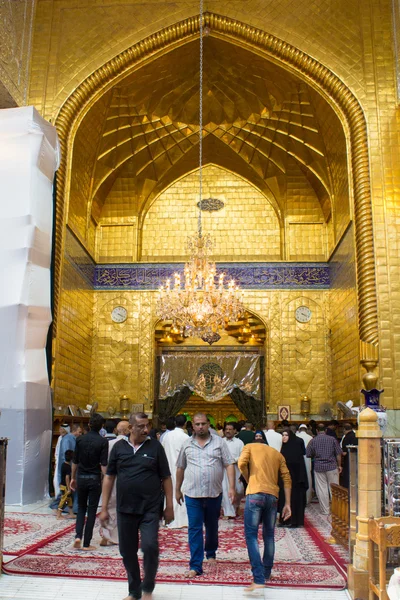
<point x="260" y="508"/>
<point x="202" y="511"/>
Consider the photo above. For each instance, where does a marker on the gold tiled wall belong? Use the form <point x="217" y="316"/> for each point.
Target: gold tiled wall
<point x="346" y="378"/>
<point x="302" y="203"/>
<point x="122" y="200"/>
<point x="383" y="115"/>
<point x="247" y="226"/>
<point x="73" y="365"/>
<point x="335" y="141"/>
<point x="73" y="39"/>
<point x="117" y="243"/>
<point x="124" y="354"/>
<point x="116" y="349"/>
<point x="16" y="27"/>
<point x="82" y="166"/>
<point x="305" y="352"/>
<point x="352" y="38"/>
<point x="293" y="347"/>
<point x="307" y="241"/>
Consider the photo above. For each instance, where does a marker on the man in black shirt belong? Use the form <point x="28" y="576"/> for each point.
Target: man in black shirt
<point x="349" y="439"/>
<point x="90" y="459"/>
<point x="141" y="466"/>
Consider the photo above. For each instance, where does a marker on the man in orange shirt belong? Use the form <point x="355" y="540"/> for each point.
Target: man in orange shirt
<point x="261" y="465"/>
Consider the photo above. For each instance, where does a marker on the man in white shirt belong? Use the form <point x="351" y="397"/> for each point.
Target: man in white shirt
<point x="170" y="427"/>
<point x="109" y="534"/>
<point x="302" y="433"/>
<point x="235" y="447"/>
<point x="274" y="438"/>
<point x="173" y="443"/>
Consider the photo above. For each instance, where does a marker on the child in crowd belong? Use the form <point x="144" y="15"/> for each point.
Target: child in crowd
<point x="66" y="492"/>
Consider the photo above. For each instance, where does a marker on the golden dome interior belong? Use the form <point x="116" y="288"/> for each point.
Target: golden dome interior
<point x="259" y="121"/>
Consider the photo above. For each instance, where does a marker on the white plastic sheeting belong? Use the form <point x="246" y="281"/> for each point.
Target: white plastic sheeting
<point x="29" y="156"/>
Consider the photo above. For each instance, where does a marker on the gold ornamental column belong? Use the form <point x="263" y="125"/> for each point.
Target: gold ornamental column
<point x="369" y="498"/>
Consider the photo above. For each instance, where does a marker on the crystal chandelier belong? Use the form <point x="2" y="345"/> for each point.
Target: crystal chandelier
<point x="202" y="304"/>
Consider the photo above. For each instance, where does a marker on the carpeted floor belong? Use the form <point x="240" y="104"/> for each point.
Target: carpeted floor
<point x="24" y="532"/>
<point x="302" y="557"/>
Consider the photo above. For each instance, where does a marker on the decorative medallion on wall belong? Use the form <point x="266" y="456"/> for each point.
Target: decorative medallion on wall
<point x="284" y="412"/>
<point x="210" y="372"/>
<point x="211" y="204"/>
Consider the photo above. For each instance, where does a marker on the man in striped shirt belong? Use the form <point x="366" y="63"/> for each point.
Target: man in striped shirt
<point x="201" y="463"/>
<point x="327" y="455"/>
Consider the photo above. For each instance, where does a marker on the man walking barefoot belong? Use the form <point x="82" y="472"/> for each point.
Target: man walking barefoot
<point x="140" y="465"/>
<point x="260" y="466"/>
<point x="202" y="462"/>
<point x="89" y="462"/>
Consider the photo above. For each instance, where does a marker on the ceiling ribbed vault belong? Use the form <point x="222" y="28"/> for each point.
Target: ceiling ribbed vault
<point x="258" y="121"/>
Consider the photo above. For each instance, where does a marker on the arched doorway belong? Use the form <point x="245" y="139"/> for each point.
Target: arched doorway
<point x="327" y="84"/>
<point x="276" y="139"/>
<point x="193" y="376"/>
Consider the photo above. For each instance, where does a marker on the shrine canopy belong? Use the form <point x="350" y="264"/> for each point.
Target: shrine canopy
<point x="210" y="376"/>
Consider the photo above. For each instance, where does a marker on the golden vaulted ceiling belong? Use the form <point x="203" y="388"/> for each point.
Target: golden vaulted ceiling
<point x="259" y="121"/>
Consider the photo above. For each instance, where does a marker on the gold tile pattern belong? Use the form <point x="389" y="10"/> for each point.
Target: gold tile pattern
<point x="335" y="151"/>
<point x="246" y="228"/>
<point x="354" y="40"/>
<point x="116" y="350"/>
<point x="73" y="360"/>
<point x="87" y="139"/>
<point x="343" y="323"/>
<point x="305" y="353"/>
<point x="123" y="357"/>
<point x="381" y="106"/>
<point x="259" y="121"/>
<point x="81" y="35"/>
<point x="345" y="103"/>
<point x="117" y="243"/>
<point x="16" y="26"/>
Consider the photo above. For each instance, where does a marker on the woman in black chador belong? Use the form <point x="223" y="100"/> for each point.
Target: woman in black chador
<point x="293" y="450"/>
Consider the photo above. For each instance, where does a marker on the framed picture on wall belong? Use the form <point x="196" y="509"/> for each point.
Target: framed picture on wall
<point x="284" y="413"/>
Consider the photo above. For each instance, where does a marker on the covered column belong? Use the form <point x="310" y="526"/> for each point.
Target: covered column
<point x="369" y="497"/>
<point x="29" y="156"/>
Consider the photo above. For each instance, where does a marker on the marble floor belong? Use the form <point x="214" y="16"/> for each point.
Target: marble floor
<point x="56" y="588"/>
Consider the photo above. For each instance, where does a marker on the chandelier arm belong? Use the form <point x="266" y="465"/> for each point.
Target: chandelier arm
<point x="199" y="224"/>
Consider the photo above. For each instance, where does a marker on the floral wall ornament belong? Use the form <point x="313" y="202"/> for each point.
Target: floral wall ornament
<point x="211" y="204"/>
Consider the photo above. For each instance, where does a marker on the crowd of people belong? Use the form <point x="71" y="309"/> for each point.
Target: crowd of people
<point x="190" y="474"/>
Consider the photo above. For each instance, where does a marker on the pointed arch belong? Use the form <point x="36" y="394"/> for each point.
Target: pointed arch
<point x="337" y="94"/>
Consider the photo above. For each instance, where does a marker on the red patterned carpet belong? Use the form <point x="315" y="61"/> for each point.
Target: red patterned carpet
<point x="25" y="532"/>
<point x="302" y="558"/>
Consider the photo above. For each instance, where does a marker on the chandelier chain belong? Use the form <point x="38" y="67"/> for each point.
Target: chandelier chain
<point x="201" y="306"/>
<point x="199" y="223"/>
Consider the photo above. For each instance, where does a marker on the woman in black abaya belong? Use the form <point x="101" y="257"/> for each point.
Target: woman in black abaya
<point x="293" y="450"/>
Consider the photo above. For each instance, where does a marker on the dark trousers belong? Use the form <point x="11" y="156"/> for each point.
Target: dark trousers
<point x="202" y="511"/>
<point x="89" y="491"/>
<point x="129" y="526"/>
